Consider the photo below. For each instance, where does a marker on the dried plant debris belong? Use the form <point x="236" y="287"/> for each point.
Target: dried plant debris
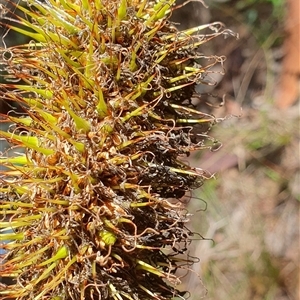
<point x="106" y="88"/>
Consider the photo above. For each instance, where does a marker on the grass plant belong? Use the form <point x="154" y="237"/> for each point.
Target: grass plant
<point x="106" y="89"/>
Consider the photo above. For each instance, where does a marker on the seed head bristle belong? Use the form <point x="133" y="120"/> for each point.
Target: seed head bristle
<point x="107" y="88"/>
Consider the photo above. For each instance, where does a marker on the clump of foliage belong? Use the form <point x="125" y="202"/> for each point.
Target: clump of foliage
<point x="261" y="16"/>
<point x="106" y="87"/>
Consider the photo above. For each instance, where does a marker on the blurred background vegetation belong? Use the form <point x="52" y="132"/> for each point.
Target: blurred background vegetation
<point x="251" y="209"/>
<point x="250" y="212"/>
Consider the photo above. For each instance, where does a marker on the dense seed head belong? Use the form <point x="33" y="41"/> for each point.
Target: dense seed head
<point x="107" y="88"/>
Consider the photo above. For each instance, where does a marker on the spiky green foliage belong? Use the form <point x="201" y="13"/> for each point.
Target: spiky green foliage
<point x="106" y="86"/>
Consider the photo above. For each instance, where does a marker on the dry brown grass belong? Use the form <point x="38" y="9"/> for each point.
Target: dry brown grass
<point x="252" y="214"/>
